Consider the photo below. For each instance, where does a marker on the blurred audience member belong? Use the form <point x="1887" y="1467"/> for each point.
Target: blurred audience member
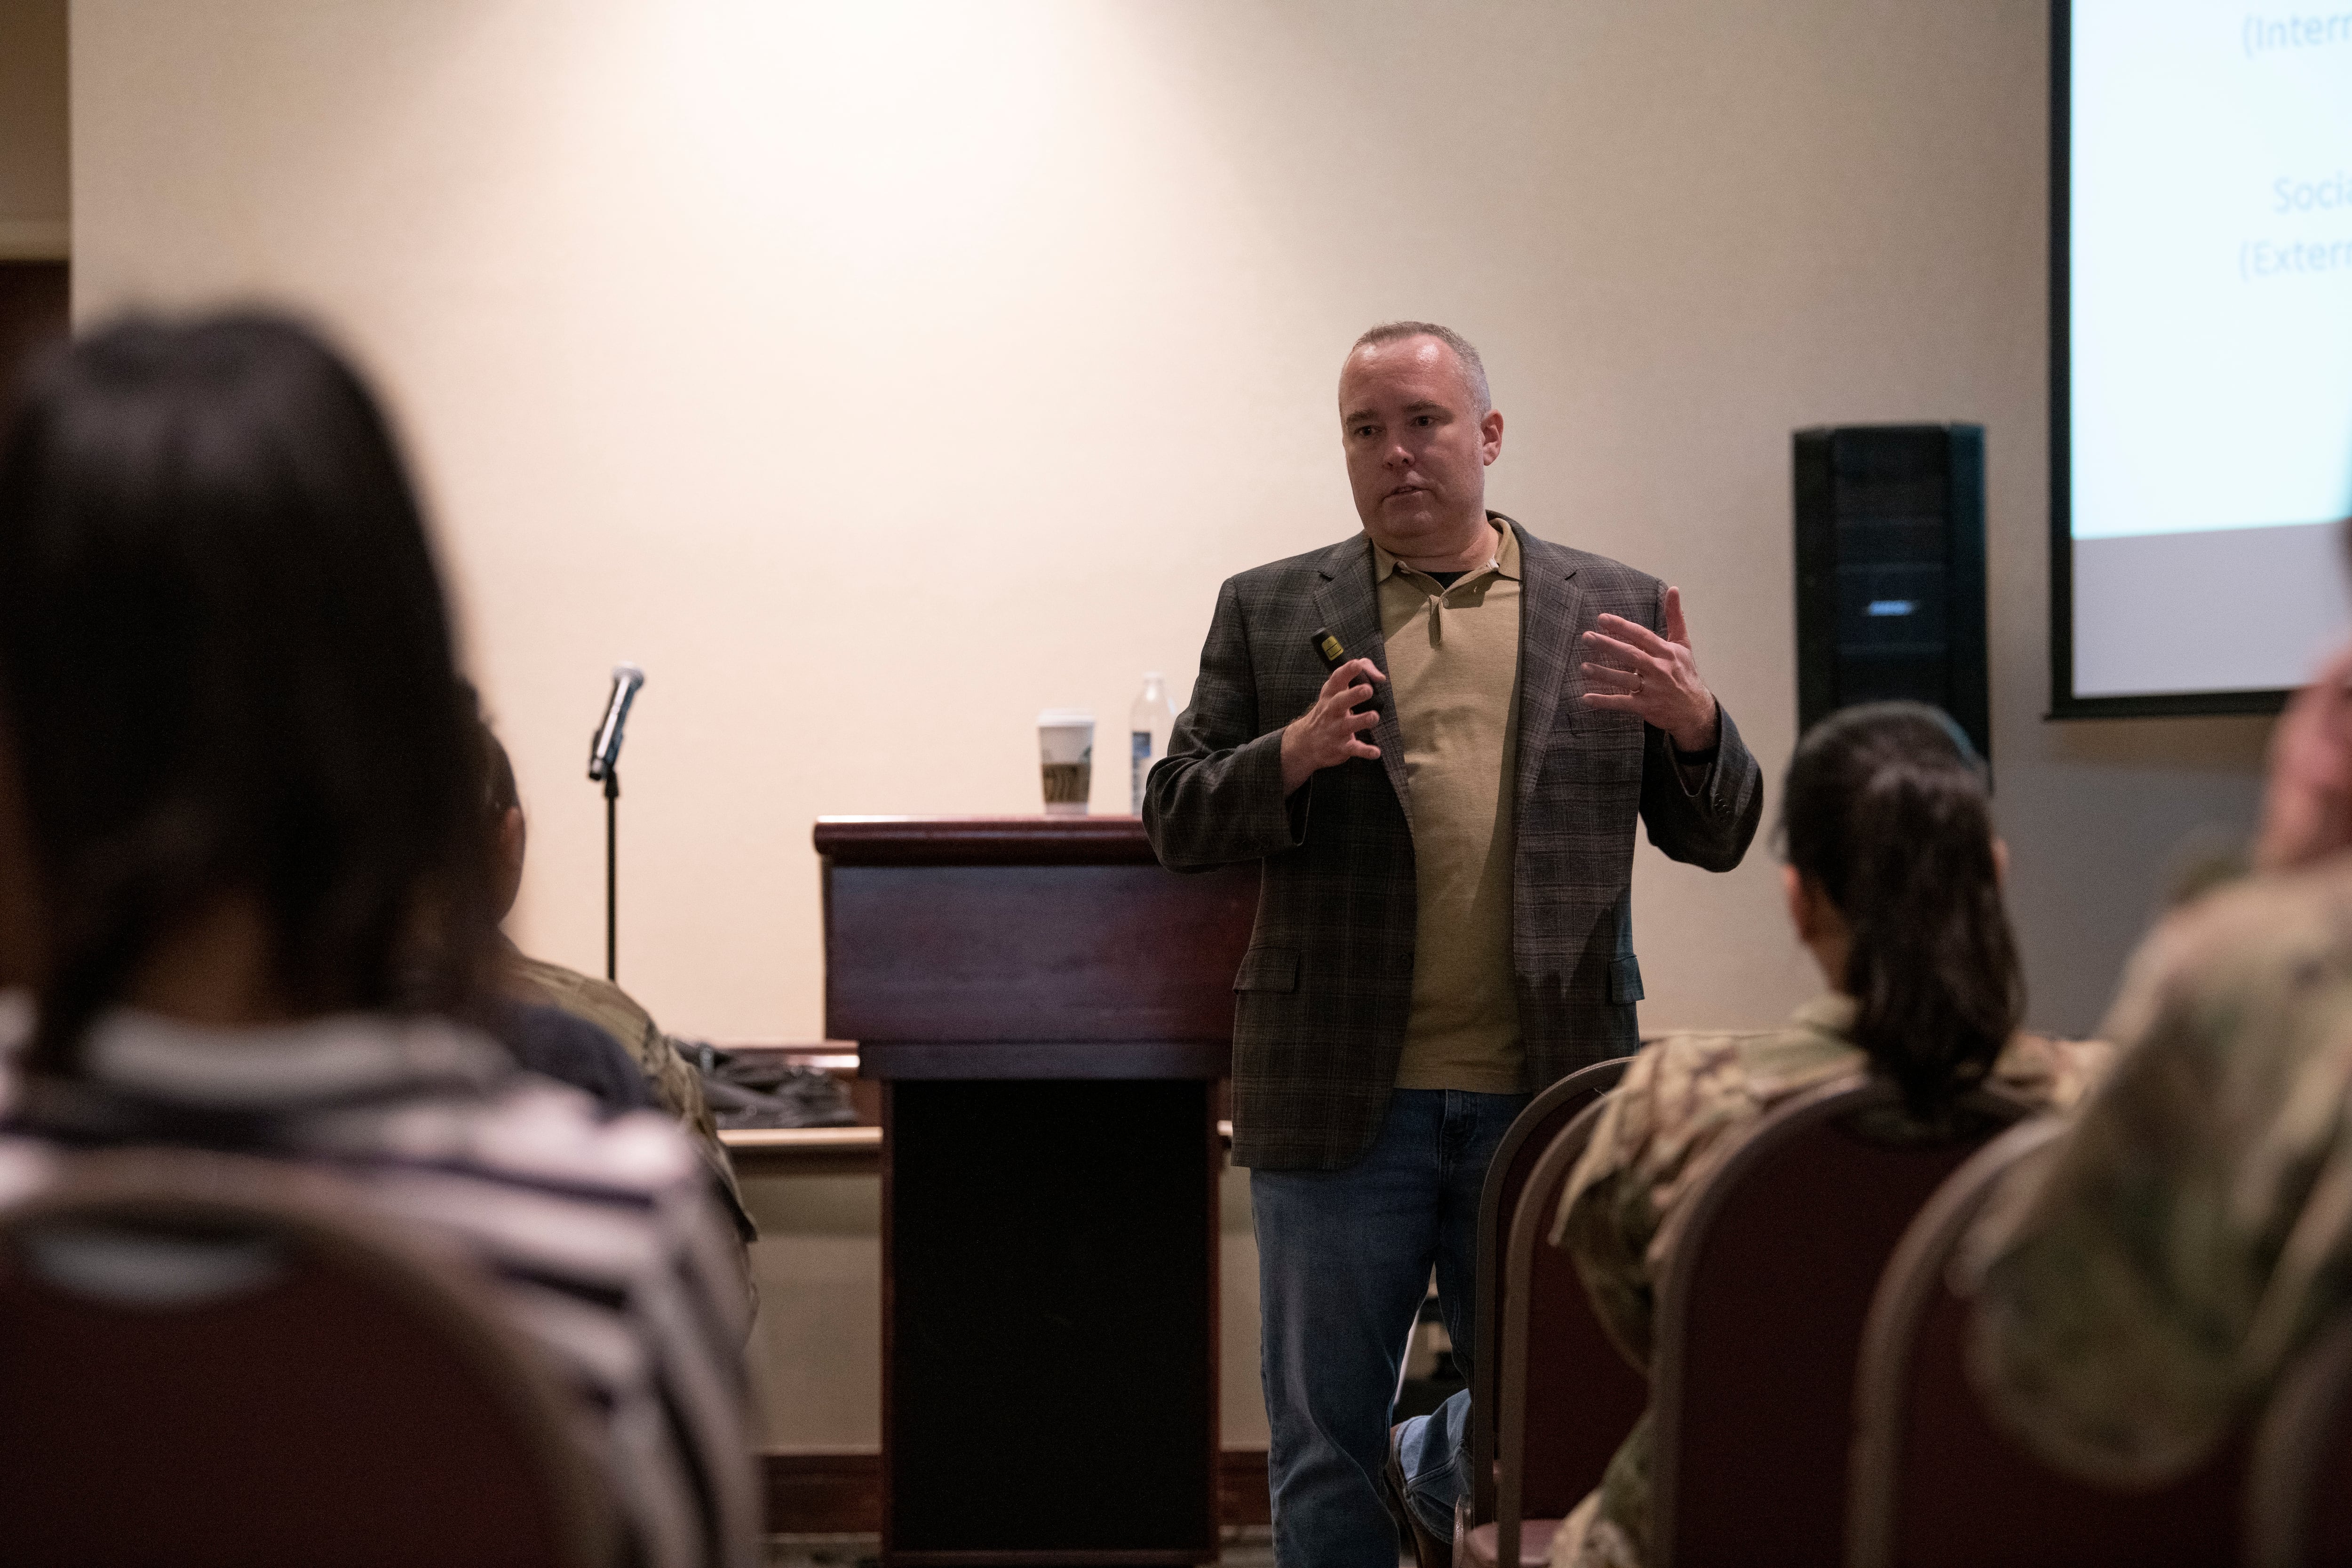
<point x="242" y="876"/>
<point x="550" y="1041"/>
<point x="2143" y="1282"/>
<point x="667" y="1079"/>
<point x="1894" y="885"/>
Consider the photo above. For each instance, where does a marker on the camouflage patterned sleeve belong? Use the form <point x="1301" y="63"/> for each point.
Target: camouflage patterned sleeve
<point x="2051" y="1073"/>
<point x="2137" y="1287"/>
<point x="1604" y="1217"/>
<point x="679" y="1085"/>
<point x="1662" y="1131"/>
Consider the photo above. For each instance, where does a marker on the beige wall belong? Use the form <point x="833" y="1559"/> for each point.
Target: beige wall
<point x="877" y="374"/>
<point x="34" y="170"/>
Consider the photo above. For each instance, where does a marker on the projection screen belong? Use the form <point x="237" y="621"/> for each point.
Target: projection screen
<point x="2201" y="350"/>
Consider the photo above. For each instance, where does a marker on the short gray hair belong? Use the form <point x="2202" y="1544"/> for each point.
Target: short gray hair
<point x="1473" y="369"/>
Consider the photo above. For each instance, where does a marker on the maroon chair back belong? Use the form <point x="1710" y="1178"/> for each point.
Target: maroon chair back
<point x="1759" y="1318"/>
<point x="2300" y="1499"/>
<point x="1936" y="1484"/>
<point x="1582" y="1397"/>
<point x="212" y="1361"/>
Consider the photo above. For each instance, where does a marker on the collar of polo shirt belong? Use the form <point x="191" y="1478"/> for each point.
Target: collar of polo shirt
<point x="1505" y="562"/>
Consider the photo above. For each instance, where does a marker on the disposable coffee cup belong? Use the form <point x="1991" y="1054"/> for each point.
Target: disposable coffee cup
<point x="1066" y="759"/>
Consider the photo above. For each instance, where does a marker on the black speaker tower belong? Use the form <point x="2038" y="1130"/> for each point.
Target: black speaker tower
<point x="1891" y="571"/>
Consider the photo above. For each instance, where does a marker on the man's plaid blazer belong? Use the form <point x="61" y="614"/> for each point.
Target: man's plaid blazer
<point x="1324" y="990"/>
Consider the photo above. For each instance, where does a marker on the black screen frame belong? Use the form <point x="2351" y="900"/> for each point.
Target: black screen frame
<point x="2063" y="702"/>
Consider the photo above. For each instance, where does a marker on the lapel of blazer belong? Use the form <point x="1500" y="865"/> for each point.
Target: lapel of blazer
<point x="1551" y="613"/>
<point x="1350" y="606"/>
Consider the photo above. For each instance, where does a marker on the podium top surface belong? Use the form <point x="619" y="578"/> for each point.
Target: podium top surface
<point x="984" y="841"/>
<point x="1059" y="937"/>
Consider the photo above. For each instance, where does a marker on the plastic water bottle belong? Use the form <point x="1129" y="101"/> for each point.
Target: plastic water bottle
<point x="1147" y="724"/>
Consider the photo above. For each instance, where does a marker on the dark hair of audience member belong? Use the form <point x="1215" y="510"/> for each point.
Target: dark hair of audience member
<point x="225" y="671"/>
<point x="1885" y="809"/>
<point x="494" y="775"/>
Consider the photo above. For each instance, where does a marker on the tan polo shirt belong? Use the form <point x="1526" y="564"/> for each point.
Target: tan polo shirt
<point x="1454" y="672"/>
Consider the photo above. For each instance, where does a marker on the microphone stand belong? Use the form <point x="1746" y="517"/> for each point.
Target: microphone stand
<point x="604" y="765"/>
<point x="611" y="873"/>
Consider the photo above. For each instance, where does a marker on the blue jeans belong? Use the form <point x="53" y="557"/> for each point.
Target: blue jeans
<point x="1344" y="1258"/>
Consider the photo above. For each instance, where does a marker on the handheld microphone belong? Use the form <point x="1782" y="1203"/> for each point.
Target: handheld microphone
<point x="604" y="751"/>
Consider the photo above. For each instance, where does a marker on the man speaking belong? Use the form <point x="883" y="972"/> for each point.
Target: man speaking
<point x="1444" y="926"/>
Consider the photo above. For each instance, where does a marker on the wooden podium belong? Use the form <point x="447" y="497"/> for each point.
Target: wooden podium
<point x="1048" y="1011"/>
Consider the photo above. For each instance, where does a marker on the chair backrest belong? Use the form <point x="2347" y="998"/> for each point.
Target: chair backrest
<point x="208" y="1360"/>
<point x="2299" y="1501"/>
<point x="1759" y="1317"/>
<point x="1935" y="1483"/>
<point x="1556" y="1352"/>
<point x="1565" y="1396"/>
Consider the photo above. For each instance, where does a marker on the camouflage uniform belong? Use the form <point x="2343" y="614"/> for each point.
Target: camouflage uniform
<point x="1682" y="1109"/>
<point x="2140" y="1287"/>
<point x="673" y="1079"/>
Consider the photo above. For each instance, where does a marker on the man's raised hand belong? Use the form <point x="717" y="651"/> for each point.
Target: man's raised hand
<point x="1329" y="733"/>
<point x="1635" y="670"/>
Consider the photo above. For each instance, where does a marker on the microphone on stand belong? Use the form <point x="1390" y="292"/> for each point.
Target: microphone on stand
<point x="604" y="750"/>
<point x="605" y="766"/>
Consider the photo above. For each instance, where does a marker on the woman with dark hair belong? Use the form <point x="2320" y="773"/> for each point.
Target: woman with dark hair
<point x="1893" y="878"/>
<point x="243" y="884"/>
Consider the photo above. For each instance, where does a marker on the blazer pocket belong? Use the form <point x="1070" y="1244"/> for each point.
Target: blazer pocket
<point x="1268" y="969"/>
<point x="1625" y="980"/>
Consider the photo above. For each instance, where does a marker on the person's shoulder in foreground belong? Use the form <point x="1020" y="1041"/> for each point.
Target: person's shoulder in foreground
<point x="670" y="1077"/>
<point x="669" y="1080"/>
<point x="2142" y="1283"/>
<point x="547" y="1040"/>
<point x="598" y="1232"/>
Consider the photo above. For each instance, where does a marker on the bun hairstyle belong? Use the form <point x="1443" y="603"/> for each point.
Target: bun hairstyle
<point x="1885" y="809"/>
<point x="225" y="668"/>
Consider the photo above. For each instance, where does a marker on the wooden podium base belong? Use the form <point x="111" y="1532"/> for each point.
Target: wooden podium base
<point x="1048" y="1011"/>
<point x="1052" y="1305"/>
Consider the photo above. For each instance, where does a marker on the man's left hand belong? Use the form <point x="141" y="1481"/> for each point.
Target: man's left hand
<point x="1641" y="672"/>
